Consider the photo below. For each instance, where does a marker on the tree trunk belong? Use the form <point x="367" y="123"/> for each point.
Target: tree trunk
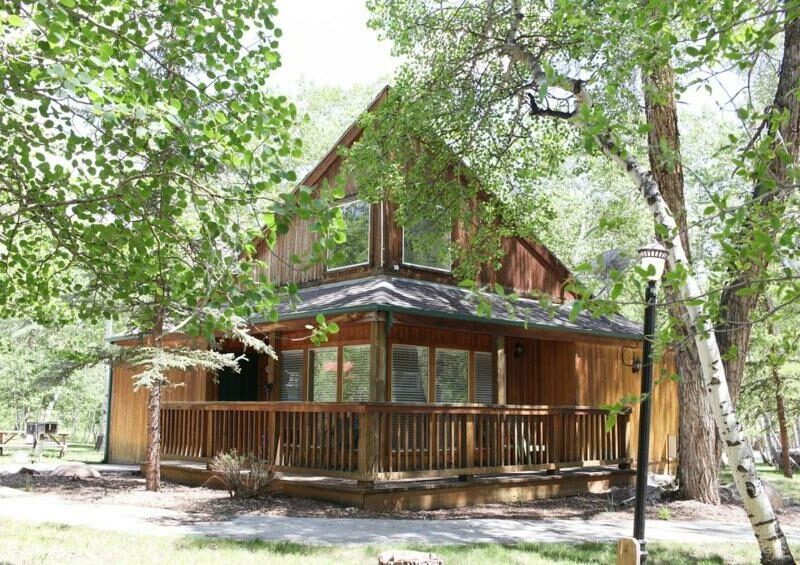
<point x="697" y="461"/>
<point x="733" y="332"/>
<point x="786" y="461"/>
<point x="153" y="467"/>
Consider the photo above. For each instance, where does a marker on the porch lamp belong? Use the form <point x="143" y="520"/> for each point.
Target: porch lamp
<point x="652" y="259"/>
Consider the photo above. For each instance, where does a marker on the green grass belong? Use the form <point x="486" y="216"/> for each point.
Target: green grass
<point x="23" y="543"/>
<point x="75" y="452"/>
<point x="786" y="486"/>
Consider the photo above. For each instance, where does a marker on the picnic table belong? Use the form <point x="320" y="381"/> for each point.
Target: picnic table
<point x="44" y="431"/>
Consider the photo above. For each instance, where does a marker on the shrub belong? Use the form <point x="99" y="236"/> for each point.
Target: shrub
<point x="244" y="476"/>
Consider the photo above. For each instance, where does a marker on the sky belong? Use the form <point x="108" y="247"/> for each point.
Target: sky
<point x="327" y="42"/>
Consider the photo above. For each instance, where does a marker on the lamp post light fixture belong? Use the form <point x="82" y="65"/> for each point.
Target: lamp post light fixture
<point x="653" y="258"/>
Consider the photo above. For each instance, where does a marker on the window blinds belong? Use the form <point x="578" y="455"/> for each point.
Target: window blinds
<point x="324" y="368"/>
<point x="409" y="373"/>
<point x="355" y="373"/>
<point x="292" y="375"/>
<point x="452" y="375"/>
<point x="484" y="384"/>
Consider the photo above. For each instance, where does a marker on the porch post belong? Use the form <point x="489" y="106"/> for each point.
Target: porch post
<point x="377" y="359"/>
<point x="273" y="384"/>
<point x="500" y="367"/>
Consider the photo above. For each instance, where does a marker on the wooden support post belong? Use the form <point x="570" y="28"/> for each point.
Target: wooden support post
<point x="272" y="370"/>
<point x="623" y="440"/>
<point x="272" y="434"/>
<point x="208" y="422"/>
<point x="368" y="441"/>
<point x="469" y="441"/>
<point x="377" y="359"/>
<point x="558" y="440"/>
<point x="499" y="358"/>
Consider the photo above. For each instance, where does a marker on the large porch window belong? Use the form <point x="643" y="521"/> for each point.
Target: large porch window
<point x="409" y="373"/>
<point x="355" y="373"/>
<point x="324" y="371"/>
<point x="452" y="375"/>
<point x="291" y="387"/>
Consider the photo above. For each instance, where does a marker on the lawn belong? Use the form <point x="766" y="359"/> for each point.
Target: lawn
<point x="75" y="452"/>
<point x="65" y="544"/>
<point x="787" y="487"/>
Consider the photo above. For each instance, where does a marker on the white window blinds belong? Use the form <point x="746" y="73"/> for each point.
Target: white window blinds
<point x="484" y="383"/>
<point x="355" y="373"/>
<point x="292" y="375"/>
<point x="452" y="375"/>
<point x="324" y="369"/>
<point x="409" y="373"/>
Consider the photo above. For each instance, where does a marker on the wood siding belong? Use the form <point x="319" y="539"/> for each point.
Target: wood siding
<point x="590" y="374"/>
<point x="128" y="420"/>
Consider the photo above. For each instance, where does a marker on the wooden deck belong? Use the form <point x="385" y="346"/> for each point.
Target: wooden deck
<point x="424" y="494"/>
<point x="369" y="442"/>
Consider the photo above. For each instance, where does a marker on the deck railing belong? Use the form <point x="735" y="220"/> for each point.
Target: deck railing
<point x="384" y="441"/>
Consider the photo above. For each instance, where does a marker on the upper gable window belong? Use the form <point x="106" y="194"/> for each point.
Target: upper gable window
<point x="427" y="245"/>
<point x="354" y="250"/>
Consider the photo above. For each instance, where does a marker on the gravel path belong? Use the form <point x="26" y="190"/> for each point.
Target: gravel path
<point x="41" y="508"/>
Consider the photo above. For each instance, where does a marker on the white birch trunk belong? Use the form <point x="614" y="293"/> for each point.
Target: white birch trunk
<point x="771" y="540"/>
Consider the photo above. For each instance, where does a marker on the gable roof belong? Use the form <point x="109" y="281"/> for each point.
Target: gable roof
<point x="385" y="293"/>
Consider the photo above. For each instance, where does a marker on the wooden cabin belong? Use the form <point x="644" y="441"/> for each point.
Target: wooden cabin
<point x="415" y="385"/>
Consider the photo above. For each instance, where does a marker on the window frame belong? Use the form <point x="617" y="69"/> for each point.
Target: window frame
<point x="406" y="263"/>
<point x="368" y="261"/>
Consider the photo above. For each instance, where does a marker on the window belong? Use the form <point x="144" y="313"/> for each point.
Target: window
<point x="409" y="373"/>
<point x="484" y="384"/>
<point x="452" y="375"/>
<point x="324" y="369"/>
<point x="292" y="375"/>
<point x="427" y="245"/>
<point x="354" y="250"/>
<point x="355" y="373"/>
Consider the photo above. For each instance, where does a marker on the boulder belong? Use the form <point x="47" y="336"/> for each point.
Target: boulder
<point x="775" y="497"/>
<point x="404" y="557"/>
<point x="76" y="471"/>
<point x="729" y="494"/>
<point x="28" y="471"/>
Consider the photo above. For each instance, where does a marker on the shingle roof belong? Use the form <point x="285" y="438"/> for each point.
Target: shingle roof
<point x="396" y="294"/>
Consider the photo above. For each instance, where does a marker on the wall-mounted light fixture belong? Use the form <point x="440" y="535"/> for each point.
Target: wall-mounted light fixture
<point x="518" y="350"/>
<point x="633" y="361"/>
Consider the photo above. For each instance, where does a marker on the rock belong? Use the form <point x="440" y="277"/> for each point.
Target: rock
<point x="627" y="496"/>
<point x="77" y="471"/>
<point x="728" y="494"/>
<point x="774" y="496"/>
<point x="28" y="471"/>
<point x="404" y="557"/>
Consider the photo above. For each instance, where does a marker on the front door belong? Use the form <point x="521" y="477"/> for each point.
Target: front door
<point x="241" y="386"/>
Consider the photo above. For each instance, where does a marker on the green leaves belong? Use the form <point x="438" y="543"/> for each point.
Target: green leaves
<point x="139" y="152"/>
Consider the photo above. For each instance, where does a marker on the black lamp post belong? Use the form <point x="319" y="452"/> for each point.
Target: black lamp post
<point x="652" y="258"/>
